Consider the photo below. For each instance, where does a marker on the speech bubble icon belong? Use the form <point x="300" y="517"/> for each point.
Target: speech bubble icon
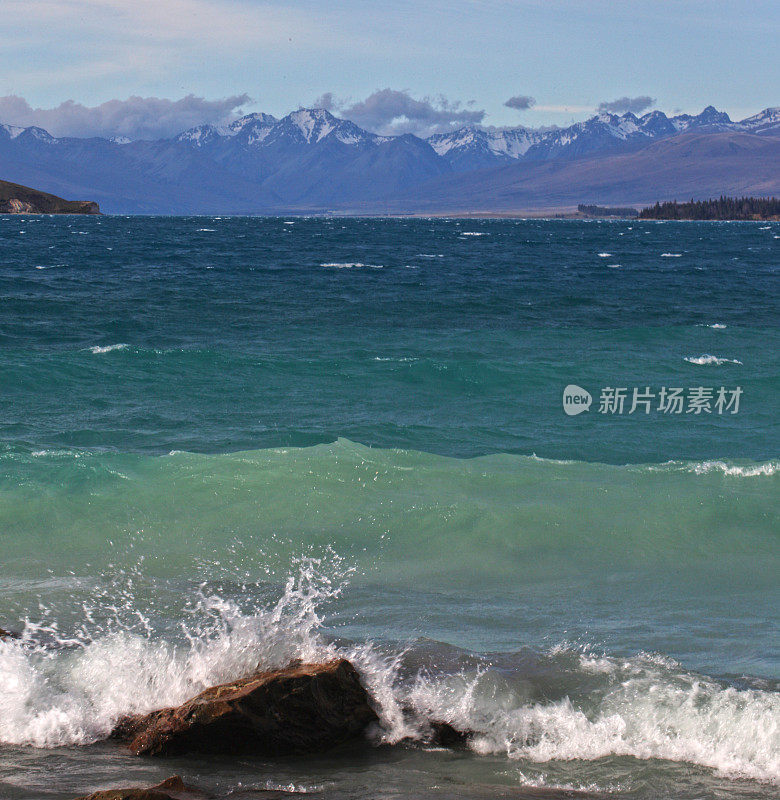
<point x="576" y="400"/>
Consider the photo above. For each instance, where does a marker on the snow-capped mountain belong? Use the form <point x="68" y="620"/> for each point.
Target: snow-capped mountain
<point x="766" y="120"/>
<point x="312" y="125"/>
<point x="311" y="159"/>
<point x="473" y="148"/>
<point x="302" y="127"/>
<point x="33" y="132"/>
<point x="251" y="128"/>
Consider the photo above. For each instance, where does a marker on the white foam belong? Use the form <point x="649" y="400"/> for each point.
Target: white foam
<point x="474" y="233"/>
<point x="736" y="470"/>
<point x="710" y="360"/>
<point x="206" y="230"/>
<point x="604" y="255"/>
<point x="671" y="255"/>
<point x="51" y="697"/>
<point x="645" y="706"/>
<point x="644" y="709"/>
<point x="351" y="265"/>
<point x="107" y="348"/>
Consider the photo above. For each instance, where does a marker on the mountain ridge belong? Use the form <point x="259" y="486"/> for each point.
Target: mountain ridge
<point x="312" y="160"/>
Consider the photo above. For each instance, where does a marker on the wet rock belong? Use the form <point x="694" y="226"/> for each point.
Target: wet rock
<point x="172" y="788"/>
<point x="4" y="634"/>
<point x="302" y="708"/>
<point x="445" y="735"/>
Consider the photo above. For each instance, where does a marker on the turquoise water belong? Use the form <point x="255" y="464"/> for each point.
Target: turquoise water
<point x="235" y="441"/>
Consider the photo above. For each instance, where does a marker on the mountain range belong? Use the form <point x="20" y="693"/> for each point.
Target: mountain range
<point x="313" y="162"/>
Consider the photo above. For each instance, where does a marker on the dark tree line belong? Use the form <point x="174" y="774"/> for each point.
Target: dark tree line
<point x="722" y="208"/>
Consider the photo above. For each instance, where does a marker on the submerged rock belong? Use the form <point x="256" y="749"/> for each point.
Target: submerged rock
<point x="172" y="788"/>
<point x="303" y="708"/>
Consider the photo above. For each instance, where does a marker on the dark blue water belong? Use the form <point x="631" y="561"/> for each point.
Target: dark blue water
<point x="237" y="337"/>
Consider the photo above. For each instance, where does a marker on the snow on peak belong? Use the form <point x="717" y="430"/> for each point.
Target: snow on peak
<point x="33" y="132"/>
<point x="509" y="142"/>
<point x="199" y="135"/>
<point x="765" y="120"/>
<point x="255" y="127"/>
<point x="12" y="130"/>
<point x="314" y="124"/>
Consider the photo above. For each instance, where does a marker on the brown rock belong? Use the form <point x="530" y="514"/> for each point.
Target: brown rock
<point x="303" y="708"/>
<point x="172" y="788"/>
<point x="4" y="634"/>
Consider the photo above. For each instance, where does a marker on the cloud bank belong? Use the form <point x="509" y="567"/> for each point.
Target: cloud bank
<point x="623" y="105"/>
<point x="135" y="118"/>
<point x="520" y="102"/>
<point x="390" y="112"/>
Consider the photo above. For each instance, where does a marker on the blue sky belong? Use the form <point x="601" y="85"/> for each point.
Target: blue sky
<point x="568" y="56"/>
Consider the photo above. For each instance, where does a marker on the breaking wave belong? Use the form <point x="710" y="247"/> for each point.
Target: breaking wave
<point x="69" y="687"/>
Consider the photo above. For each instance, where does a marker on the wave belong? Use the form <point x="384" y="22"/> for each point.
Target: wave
<point x="352" y="265"/>
<point x="97" y="349"/>
<point x="736" y="470"/>
<point x="367" y="500"/>
<point x="563" y="703"/>
<point x="708" y="359"/>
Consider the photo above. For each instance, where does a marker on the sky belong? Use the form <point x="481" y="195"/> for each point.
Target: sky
<point x="144" y="68"/>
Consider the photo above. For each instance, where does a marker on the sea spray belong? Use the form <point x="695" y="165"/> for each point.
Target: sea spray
<point x="69" y="692"/>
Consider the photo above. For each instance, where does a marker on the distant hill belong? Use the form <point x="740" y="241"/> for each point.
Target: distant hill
<point x="689" y="165"/>
<point x="313" y="162"/>
<point x="17" y="199"/>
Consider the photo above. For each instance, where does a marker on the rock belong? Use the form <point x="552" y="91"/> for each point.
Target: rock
<point x="302" y="708"/>
<point x="445" y="735"/>
<point x="4" y="634"/>
<point x="172" y="788"/>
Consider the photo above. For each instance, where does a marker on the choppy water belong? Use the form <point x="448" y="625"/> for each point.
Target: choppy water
<point x="226" y="442"/>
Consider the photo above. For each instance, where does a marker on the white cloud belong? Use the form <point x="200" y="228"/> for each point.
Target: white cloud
<point x="135" y="118"/>
<point x="392" y="112"/>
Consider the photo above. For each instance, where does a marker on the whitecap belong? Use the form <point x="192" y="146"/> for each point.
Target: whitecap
<point x="208" y="230"/>
<point x="604" y="255"/>
<point x="671" y="255"/>
<point x="736" y="470"/>
<point x="614" y="266"/>
<point x="708" y="359"/>
<point x="351" y="265"/>
<point x="107" y="348"/>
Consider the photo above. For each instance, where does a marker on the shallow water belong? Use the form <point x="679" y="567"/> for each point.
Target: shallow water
<point x="256" y="441"/>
